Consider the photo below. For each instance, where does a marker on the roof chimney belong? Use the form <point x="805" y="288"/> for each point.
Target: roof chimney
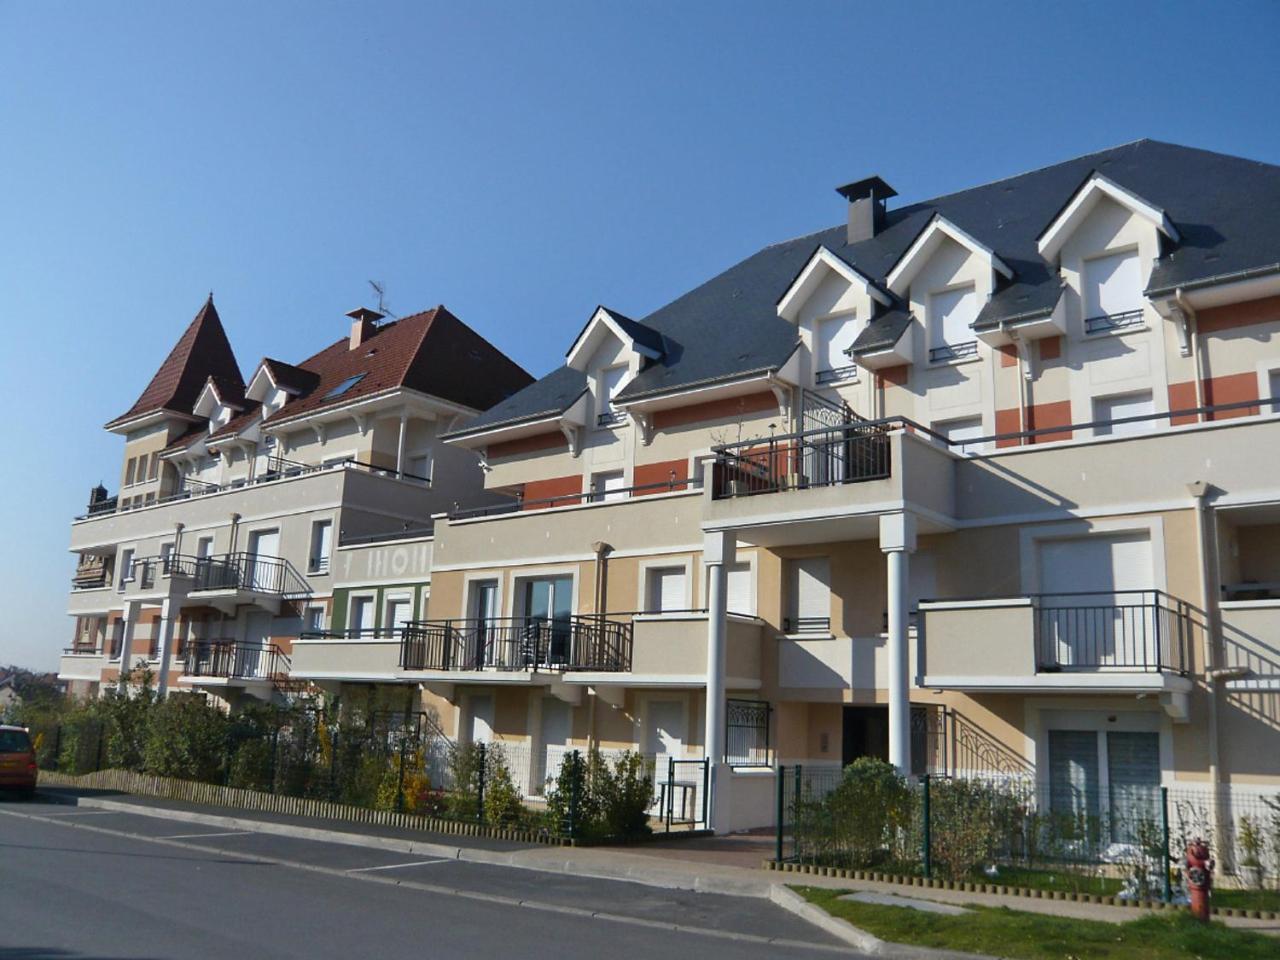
<point x="364" y="324"/>
<point x="866" y="207"/>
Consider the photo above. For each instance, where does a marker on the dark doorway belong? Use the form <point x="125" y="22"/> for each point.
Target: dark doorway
<point x="866" y="734"/>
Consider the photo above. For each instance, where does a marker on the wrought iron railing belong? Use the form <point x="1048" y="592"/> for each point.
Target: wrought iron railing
<point x="953" y="351"/>
<point x="239" y="661"/>
<point x="354" y="633"/>
<point x="1125" y="630"/>
<point x="1113" y="321"/>
<point x="847" y="374"/>
<point x="850" y="453"/>
<point x="580" y="642"/>
<point x="257" y="573"/>
<point x="746" y="741"/>
<point x="806" y="624"/>
<point x="673" y="484"/>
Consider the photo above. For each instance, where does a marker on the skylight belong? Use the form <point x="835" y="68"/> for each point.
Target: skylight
<point x="344" y="386"/>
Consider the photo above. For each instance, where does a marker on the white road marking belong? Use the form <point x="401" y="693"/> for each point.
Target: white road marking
<point x="75" y="813"/>
<point x="198" y="836"/>
<point x="397" y="866"/>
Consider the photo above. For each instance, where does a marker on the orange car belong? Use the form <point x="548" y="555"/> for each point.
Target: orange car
<point x="17" y="761"/>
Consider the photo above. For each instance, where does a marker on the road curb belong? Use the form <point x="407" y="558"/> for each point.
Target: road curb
<point x="792" y="902"/>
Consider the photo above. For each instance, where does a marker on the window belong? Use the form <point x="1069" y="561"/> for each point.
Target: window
<point x="153" y="470"/>
<point x="361" y="613"/>
<point x="399" y="612"/>
<point x="1125" y="405"/>
<point x="204" y="547"/>
<point x="313" y="619"/>
<point x="610" y="485"/>
<point x="1273" y="389"/>
<point x="1131" y="793"/>
<point x="419" y="466"/>
<point x="810" y="596"/>
<point x="831" y="364"/>
<point x="126" y="567"/>
<point x="951" y="316"/>
<point x="321" y="541"/>
<point x="344" y="386"/>
<point x="666" y="589"/>
<point x="1112" y="292"/>
<point x="959" y="432"/>
<point x="166" y="556"/>
<point x="130" y="469"/>
<point x="610" y="384"/>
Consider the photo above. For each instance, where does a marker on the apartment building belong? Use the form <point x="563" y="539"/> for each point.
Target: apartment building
<point x="984" y="484"/>
<point x="248" y="510"/>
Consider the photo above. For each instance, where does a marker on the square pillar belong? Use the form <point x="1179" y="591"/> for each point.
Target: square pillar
<point x="168" y="610"/>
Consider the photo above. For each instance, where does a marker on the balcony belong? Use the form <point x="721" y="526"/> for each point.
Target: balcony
<point x="81" y="663"/>
<point x="516" y="645"/>
<point x="1135" y="641"/>
<point x="837" y="479"/>
<point x="223" y="581"/>
<point x="369" y="655"/>
<point x="670" y="649"/>
<point x="257" y="668"/>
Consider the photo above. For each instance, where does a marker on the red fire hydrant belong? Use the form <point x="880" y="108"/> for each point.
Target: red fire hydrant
<point x="1199" y="878"/>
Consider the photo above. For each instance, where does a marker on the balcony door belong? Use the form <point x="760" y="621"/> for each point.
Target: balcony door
<point x="548" y="606"/>
<point x="263" y="565"/>
<point x="483" y="640"/>
<point x="251" y="659"/>
<point x="1089" y="618"/>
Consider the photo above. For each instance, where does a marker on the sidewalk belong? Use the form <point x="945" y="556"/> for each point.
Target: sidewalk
<point x="723" y="865"/>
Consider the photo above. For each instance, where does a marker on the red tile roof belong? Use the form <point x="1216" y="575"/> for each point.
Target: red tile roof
<point x="202" y="352"/>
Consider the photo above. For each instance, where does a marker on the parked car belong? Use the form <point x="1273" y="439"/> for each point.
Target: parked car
<point x="17" y="761"/>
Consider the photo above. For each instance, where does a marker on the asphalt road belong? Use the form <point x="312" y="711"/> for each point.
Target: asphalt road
<point x="74" y="884"/>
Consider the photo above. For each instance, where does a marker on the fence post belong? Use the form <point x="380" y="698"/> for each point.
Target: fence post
<point x="671" y="790"/>
<point x="400" y="778"/>
<point x="97" y="760"/>
<point x="480" y="749"/>
<point x="795" y="800"/>
<point x="333" y="765"/>
<point x="57" y="746"/>
<point x="275" y="744"/>
<point x="928" y="838"/>
<point x="779" y="812"/>
<point x="1164" y="843"/>
<point x="574" y="760"/>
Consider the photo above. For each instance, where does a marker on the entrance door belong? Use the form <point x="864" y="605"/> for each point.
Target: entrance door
<point x="664" y="730"/>
<point x="264" y="574"/>
<point x="866" y="734"/>
<point x="1093" y="613"/>
<point x="548" y="605"/>
<point x="481" y="719"/>
<point x="555" y="730"/>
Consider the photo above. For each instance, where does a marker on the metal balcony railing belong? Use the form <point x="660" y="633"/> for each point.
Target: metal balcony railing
<point x="1126" y="630"/>
<point x="228" y="660"/>
<point x="953" y="351"/>
<point x="1113" y="321"/>
<point x="354" y="633"/>
<point x="256" y="573"/>
<point x="593" y="643"/>
<point x="828" y="456"/>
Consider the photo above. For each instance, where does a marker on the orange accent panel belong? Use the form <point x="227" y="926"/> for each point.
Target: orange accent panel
<point x="568" y="487"/>
<point x="1182" y="396"/>
<point x="1044" y="415"/>
<point x="1231" y="388"/>
<point x="1008" y="354"/>
<point x="1007" y="421"/>
<point x="1050" y="348"/>
<point x="715" y="410"/>
<point x="541" y="441"/>
<point x="895" y="375"/>
<point x="1237" y="315"/>
<point x="647" y="473"/>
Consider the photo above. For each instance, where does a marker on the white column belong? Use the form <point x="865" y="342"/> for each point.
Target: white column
<point x="131" y="610"/>
<point x="400" y="443"/>
<point x="168" y="610"/>
<point x="898" y="540"/>
<point x="717" y="551"/>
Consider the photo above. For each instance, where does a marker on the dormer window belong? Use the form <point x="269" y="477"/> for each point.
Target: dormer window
<point x="610" y="383"/>
<point x="1112" y="292"/>
<point x="832" y="339"/>
<point x="950" y="323"/>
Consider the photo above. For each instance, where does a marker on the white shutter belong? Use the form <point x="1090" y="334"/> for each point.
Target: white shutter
<point x="951" y="314"/>
<point x="741" y="592"/>
<point x="362" y="613"/>
<point x="1112" y="284"/>
<point x="667" y="589"/>
<point x="398" y="613"/>
<point x="1128" y="405"/>
<point x="1073" y="771"/>
<point x="835" y="336"/>
<point x="811" y="592"/>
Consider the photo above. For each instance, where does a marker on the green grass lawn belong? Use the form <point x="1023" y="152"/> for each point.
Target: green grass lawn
<point x="1071" y="881"/>
<point x="1032" y="936"/>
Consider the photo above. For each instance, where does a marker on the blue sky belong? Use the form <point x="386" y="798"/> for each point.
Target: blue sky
<point x="517" y="162"/>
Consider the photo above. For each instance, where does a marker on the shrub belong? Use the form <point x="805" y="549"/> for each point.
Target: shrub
<point x="185" y="738"/>
<point x="250" y="767"/>
<point x="591" y="799"/>
<point x="862" y="822"/>
<point x="503" y="805"/>
<point x="963" y="815"/>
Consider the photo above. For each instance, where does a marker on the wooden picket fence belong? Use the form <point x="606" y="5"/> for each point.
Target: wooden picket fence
<point x="193" y="791"/>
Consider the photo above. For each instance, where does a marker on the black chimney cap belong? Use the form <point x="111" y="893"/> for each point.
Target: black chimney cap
<point x="364" y="313"/>
<point x="860" y="189"/>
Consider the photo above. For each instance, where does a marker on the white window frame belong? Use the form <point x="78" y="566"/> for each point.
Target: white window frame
<point x="322" y="620"/>
<point x="1137" y="429"/>
<point x="353" y="599"/>
<point x="127" y="571"/>
<point x="965" y="447"/>
<point x="750" y="561"/>
<point x="1094" y="311"/>
<point x="1266" y="370"/>
<point x="607" y="417"/>
<point x="847" y="371"/>
<point x="792" y="610"/>
<point x="604" y="494"/>
<point x="388" y="599"/>
<point x="644" y="586"/>
<point x="319" y="565"/>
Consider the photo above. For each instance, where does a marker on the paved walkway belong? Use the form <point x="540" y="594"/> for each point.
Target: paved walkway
<point x="726" y="865"/>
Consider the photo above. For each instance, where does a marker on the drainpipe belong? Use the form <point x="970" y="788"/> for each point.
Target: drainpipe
<point x="235" y="532"/>
<point x="602" y="551"/>
<point x="1205" y="547"/>
<point x="1024" y="380"/>
<point x="1193" y="344"/>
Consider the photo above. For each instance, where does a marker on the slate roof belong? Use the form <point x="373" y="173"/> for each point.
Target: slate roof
<point x="202" y="351"/>
<point x="1226" y="210"/>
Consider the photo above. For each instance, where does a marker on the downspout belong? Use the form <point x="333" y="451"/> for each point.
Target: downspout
<point x="1200" y="491"/>
<point x="1024" y="379"/>
<point x="1193" y="344"/>
<point x="601" y="550"/>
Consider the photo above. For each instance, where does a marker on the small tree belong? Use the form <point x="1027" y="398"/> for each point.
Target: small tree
<point x="185" y="738"/>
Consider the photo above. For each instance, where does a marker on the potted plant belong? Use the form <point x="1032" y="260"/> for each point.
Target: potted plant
<point x="1251" y="847"/>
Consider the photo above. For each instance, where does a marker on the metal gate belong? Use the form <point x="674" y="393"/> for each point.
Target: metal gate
<point x="682" y="792"/>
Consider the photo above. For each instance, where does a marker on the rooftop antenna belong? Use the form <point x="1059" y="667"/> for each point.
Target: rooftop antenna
<point x="380" y="289"/>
